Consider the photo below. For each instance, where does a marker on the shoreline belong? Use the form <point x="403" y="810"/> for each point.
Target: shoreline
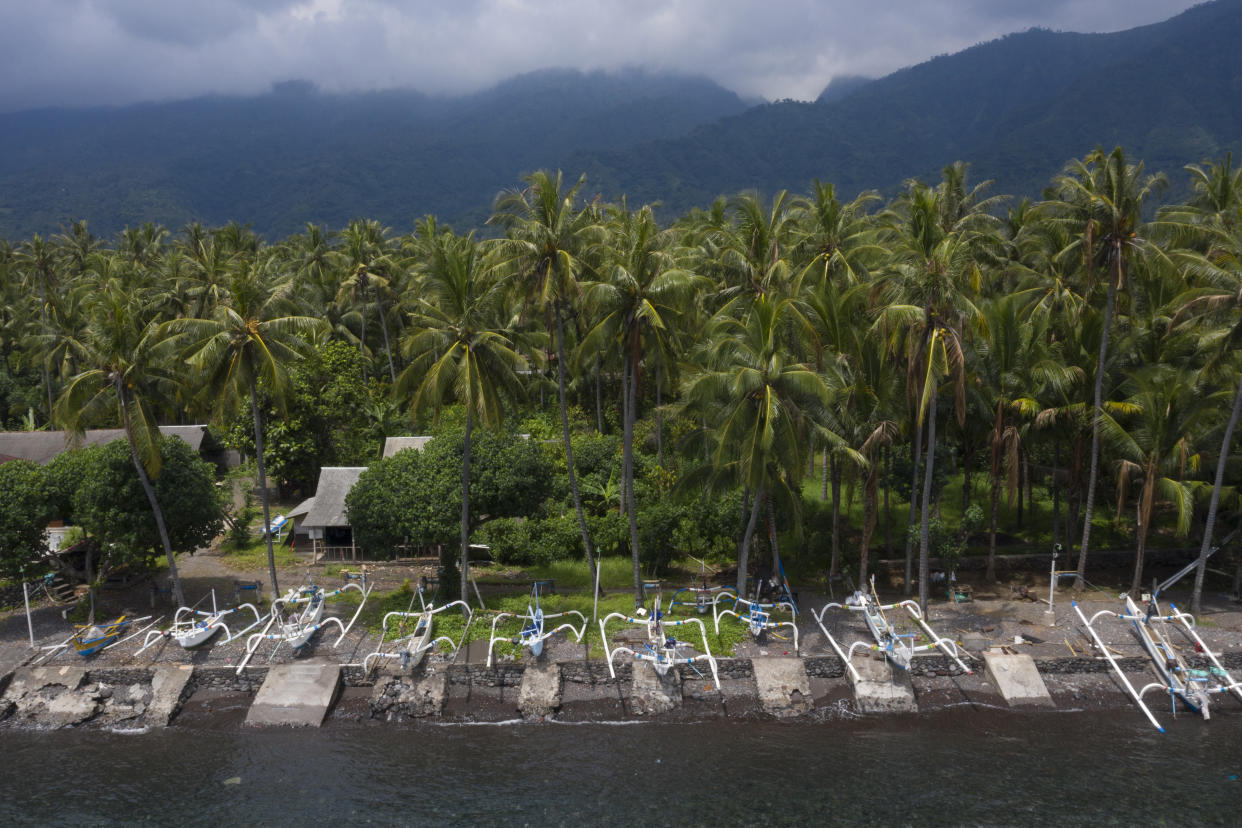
<point x="213" y="697"/>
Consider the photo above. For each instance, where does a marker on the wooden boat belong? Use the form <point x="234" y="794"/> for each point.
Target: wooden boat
<point x="296" y="630"/>
<point x="193" y="627"/>
<point x="534" y="626"/>
<point x="411" y="648"/>
<point x="661" y="650"/>
<point x="756" y="615"/>
<point x="91" y="638"/>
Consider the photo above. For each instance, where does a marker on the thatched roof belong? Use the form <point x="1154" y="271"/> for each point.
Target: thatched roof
<point x="327" y="508"/>
<point x="41" y="446"/>
<point x="392" y="445"/>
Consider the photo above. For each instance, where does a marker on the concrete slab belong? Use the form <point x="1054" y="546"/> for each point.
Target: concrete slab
<point x="882" y="688"/>
<point x="296" y="694"/>
<point x="1017" y="679"/>
<point x="540" y="694"/>
<point x="29" y="679"/>
<point x="168" y="683"/>
<point x="651" y="693"/>
<point x="783" y="686"/>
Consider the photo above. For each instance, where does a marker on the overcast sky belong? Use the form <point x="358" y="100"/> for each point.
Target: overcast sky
<point x="75" y="52"/>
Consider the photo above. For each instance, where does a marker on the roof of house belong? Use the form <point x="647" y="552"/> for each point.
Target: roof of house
<point x="41" y="446"/>
<point x="392" y="445"/>
<point x="327" y="507"/>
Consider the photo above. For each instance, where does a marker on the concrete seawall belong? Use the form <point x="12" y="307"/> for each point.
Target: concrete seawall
<point x="811" y="688"/>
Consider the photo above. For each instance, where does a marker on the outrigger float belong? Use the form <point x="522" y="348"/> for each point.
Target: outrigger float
<point x="756" y="615"/>
<point x="1193" y="687"/>
<point x="192" y="627"/>
<point x="296" y="631"/>
<point x="898" y="648"/>
<point x="534" y="627"/>
<point x="411" y="648"/>
<point x="660" y="650"/>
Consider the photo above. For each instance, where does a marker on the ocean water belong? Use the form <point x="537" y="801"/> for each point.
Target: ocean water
<point x="955" y="767"/>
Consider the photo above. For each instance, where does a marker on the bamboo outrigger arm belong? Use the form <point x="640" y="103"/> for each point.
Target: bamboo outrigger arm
<point x="846" y="658"/>
<point x="945" y="645"/>
<point x="1138" y="699"/>
<point x="757" y="616"/>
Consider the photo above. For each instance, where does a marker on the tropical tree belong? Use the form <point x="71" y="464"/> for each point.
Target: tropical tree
<point x="249" y="339"/>
<point x="125" y="368"/>
<point x="546" y="234"/>
<point x="1101" y="198"/>
<point x="460" y="350"/>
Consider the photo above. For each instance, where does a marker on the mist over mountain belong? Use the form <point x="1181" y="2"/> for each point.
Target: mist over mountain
<point x="1017" y="108"/>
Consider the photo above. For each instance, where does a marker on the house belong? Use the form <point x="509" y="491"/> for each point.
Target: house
<point x="323" y="516"/>
<point x="392" y="445"/>
<point x="41" y="446"/>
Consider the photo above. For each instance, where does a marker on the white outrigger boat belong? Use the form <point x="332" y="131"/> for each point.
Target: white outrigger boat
<point x="756" y="615"/>
<point x="411" y="648"/>
<point x="192" y="627"/>
<point x="660" y="650"/>
<point x="1193" y="686"/>
<point x="898" y="648"/>
<point x="702" y="598"/>
<point x="534" y="627"/>
<point x="307" y="619"/>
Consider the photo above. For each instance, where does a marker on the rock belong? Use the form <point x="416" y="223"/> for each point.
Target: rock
<point x="68" y="709"/>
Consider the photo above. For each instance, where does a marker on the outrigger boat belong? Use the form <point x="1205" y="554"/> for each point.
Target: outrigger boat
<point x="91" y="639"/>
<point x="660" y="650"/>
<point x="534" y="627"/>
<point x="702" y="598"/>
<point x="411" y="648"/>
<point x="756" y="615"/>
<point x="192" y="627"/>
<point x="297" y="629"/>
<point x="898" y="648"/>
<point x="1193" y="686"/>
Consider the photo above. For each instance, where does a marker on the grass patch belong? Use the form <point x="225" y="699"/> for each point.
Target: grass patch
<point x="254" y="555"/>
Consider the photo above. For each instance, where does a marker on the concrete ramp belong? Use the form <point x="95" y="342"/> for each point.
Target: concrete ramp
<point x="783" y="686"/>
<point x="1017" y="678"/>
<point x="651" y="693"/>
<point x="168" y="683"/>
<point x="298" y="694"/>
<point x="881" y="687"/>
<point x="540" y="694"/>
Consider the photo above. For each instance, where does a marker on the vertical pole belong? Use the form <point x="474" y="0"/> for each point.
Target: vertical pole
<point x="29" y="623"/>
<point x="1052" y="580"/>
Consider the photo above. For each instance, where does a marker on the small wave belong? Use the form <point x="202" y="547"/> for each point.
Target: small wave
<point x="616" y="723"/>
<point x="129" y="731"/>
<point x="504" y="723"/>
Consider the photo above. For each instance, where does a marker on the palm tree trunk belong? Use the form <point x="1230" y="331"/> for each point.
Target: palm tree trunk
<point x="772" y="541"/>
<point x="914" y="487"/>
<point x="267" y="512"/>
<point x="659" y="422"/>
<point x="835" y="562"/>
<point x="869" y="518"/>
<point x="150" y="492"/>
<point x="1144" y="513"/>
<point x="1205" y="549"/>
<point x="1056" y="491"/>
<point x="990" y="575"/>
<point x="379" y="308"/>
<point x="743" y="548"/>
<point x="599" y="407"/>
<point x="823" y="485"/>
<point x="465" y="509"/>
<point x="888" y="515"/>
<point x="1095" y="437"/>
<point x="924" y="572"/>
<point x="569" y="449"/>
<point x="627" y="468"/>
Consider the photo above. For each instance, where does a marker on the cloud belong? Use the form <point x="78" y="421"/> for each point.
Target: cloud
<point x="76" y="52"/>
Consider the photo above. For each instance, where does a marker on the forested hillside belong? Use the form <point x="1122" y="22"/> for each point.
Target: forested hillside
<point x="1014" y="108"/>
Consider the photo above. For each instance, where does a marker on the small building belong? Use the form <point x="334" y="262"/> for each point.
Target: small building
<point x="323" y="516"/>
<point x="42" y="446"/>
<point x="392" y="445"/>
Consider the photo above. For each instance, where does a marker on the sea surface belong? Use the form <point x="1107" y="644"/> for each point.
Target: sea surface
<point x="954" y="767"/>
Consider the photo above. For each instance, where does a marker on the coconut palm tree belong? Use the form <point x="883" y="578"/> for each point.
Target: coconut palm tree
<point x="1153" y="433"/>
<point x="460" y="350"/>
<point x="249" y="339"/>
<point x="545" y="236"/>
<point x="125" y="369"/>
<point x="638" y="303"/>
<point x="764" y="401"/>
<point x="1101" y="199"/>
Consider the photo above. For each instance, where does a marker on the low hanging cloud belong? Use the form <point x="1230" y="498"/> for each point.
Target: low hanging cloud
<point x="89" y="52"/>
